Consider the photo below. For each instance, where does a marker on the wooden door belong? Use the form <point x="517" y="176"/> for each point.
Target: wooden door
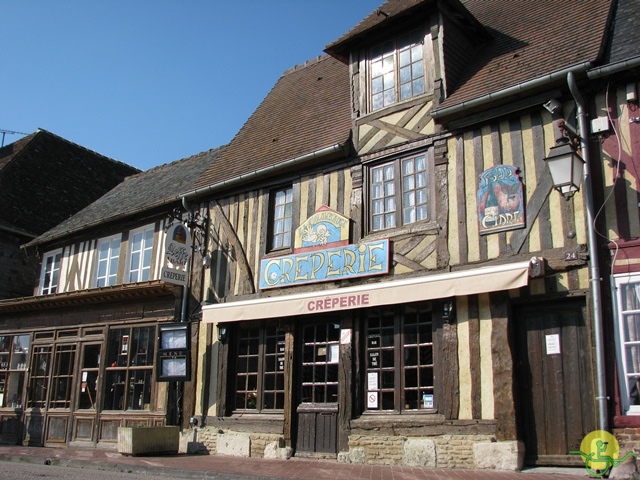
<point x="556" y="406"/>
<point x="317" y="412"/>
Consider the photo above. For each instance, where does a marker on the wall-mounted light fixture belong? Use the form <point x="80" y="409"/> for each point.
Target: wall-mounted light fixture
<point x="566" y="167"/>
<point x="223" y="332"/>
<point x="448" y="309"/>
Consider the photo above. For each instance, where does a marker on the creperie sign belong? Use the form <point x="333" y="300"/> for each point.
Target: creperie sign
<point x="339" y="263"/>
<point x="339" y="302"/>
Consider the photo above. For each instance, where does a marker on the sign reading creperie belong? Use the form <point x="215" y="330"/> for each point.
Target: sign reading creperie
<point x="322" y="253"/>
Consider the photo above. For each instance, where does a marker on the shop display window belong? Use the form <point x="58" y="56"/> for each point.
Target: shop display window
<point x="129" y="368"/>
<point x="14" y="355"/>
<point x="259" y="368"/>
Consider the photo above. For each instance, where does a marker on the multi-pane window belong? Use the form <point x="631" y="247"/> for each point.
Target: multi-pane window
<point x="399" y="359"/>
<point x="129" y="368"/>
<point x="62" y="376"/>
<point x="320" y="360"/>
<point x="14" y="351"/>
<point x="107" y="261"/>
<point x="51" y="272"/>
<point x="281" y="214"/>
<point x="259" y="368"/>
<point x="399" y="193"/>
<point x="39" y="376"/>
<point x="397" y="71"/>
<point x="90" y="367"/>
<point x="140" y="254"/>
<point x="628" y="326"/>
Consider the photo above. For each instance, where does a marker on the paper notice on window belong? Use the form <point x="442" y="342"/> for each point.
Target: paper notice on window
<point x="334" y="353"/>
<point x="553" y="344"/>
<point x="372" y="383"/>
<point x="372" y="400"/>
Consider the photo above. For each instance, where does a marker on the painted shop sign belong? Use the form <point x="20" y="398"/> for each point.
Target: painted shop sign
<point x="322" y="253"/>
<point x="177" y="252"/>
<point x="500" y="200"/>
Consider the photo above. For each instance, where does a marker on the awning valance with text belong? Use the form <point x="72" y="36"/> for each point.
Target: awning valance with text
<point x="445" y="285"/>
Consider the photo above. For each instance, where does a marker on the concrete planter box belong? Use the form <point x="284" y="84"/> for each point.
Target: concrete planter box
<point x="148" y="440"/>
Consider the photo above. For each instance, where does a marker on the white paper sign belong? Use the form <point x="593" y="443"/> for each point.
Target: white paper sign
<point x="372" y="400"/>
<point x="553" y="344"/>
<point x="345" y="336"/>
<point x="334" y="353"/>
<point x="372" y="378"/>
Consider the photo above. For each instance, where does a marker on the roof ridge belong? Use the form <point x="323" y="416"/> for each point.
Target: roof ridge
<point x="306" y="64"/>
<point x="85" y="148"/>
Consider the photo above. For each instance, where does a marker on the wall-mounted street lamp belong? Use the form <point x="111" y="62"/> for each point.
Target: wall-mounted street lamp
<point x="223" y="332"/>
<point x="566" y="167"/>
<point x="448" y="309"/>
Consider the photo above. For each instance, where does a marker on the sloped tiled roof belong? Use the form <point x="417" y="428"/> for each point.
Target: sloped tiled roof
<point x="44" y="179"/>
<point x="307" y="110"/>
<point x="153" y="188"/>
<point x="625" y="36"/>
<point x="529" y="39"/>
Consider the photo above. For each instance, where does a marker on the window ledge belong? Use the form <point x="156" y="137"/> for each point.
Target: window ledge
<point x="396" y="107"/>
<point x="626" y="421"/>
<point x="428" y="227"/>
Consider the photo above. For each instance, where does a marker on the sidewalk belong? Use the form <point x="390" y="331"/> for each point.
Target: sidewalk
<point x="216" y="466"/>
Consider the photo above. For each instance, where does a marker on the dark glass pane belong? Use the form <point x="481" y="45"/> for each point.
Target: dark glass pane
<point x="254" y="346"/>
<point x="252" y="382"/>
<point x="388" y="358"/>
<point x="240" y="398"/>
<point x="269" y="382"/>
<point x="411" y="399"/>
<point x="387" y="402"/>
<point x="268" y="400"/>
<point x="307" y="353"/>
<point x="388" y="378"/>
<point x="332" y="393"/>
<point x="307" y="373"/>
<point x="410" y="356"/>
<point x="332" y="372"/>
<point x="91" y="356"/>
<point x="253" y="364"/>
<point x="334" y="332"/>
<point x="318" y="394"/>
<point x="426" y="355"/>
<point x="426" y="377"/>
<point x="320" y="373"/>
<point x="279" y="400"/>
<point x="270" y="363"/>
<point x="279" y="382"/>
<point x="411" y="378"/>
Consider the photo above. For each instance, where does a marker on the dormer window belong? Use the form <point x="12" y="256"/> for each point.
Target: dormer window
<point x="50" y="272"/>
<point x="397" y="70"/>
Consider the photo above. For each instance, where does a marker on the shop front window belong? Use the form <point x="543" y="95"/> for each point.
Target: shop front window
<point x="14" y="353"/>
<point x="399" y="359"/>
<point x="89" y="376"/>
<point x="39" y="376"/>
<point x="129" y="368"/>
<point x="259" y="368"/>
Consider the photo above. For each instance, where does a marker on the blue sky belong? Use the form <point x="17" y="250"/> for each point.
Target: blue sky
<point x="148" y="82"/>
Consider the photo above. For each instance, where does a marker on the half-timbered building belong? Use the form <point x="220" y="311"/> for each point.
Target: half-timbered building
<point x="78" y="357"/>
<point x="393" y="278"/>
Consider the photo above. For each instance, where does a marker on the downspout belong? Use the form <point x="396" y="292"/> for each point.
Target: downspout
<point x="185" y="289"/>
<point x="594" y="269"/>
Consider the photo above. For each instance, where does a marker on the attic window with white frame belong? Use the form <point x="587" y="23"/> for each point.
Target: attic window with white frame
<point x="107" y="261"/>
<point x="50" y="272"/>
<point x="397" y="70"/>
<point x="140" y="254"/>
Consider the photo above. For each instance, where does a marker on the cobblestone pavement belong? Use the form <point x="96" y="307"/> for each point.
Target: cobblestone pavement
<point x="217" y="466"/>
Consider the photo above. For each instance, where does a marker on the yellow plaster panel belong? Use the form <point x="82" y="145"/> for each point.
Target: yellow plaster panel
<point x="348" y="191"/>
<point x="530" y="178"/>
<point x="418" y="116"/>
<point x="454" y="232"/>
<point x="394" y="118"/>
<point x="200" y="379"/>
<point x="464" y="359"/>
<point x="240" y="233"/>
<point x="486" y="358"/>
<point x="319" y="192"/>
<point x="583" y="278"/>
<point x="470" y="197"/>
<point x="490" y="159"/>
<point x="429" y="128"/>
<point x="370" y="144"/>
<point x="304" y="198"/>
<point x="557" y="229"/>
<point x="537" y="286"/>
<point x="333" y="190"/>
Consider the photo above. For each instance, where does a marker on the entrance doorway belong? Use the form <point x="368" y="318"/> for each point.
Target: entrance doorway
<point x="317" y="411"/>
<point x="556" y="407"/>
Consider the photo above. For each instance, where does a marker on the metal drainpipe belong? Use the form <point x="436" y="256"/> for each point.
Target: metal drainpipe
<point x="594" y="275"/>
<point x="185" y="289"/>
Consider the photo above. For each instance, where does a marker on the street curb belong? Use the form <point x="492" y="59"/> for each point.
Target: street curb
<point x="134" y="469"/>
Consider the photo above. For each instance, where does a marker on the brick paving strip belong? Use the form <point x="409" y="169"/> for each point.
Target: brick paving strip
<point x="215" y="466"/>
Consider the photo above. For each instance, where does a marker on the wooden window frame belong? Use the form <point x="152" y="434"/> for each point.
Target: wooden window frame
<point x="399" y="190"/>
<point x="287" y="231"/>
<point x="388" y="358"/>
<point x="50" y="277"/>
<point x="62" y="375"/>
<point x="129" y="371"/>
<point x="110" y="277"/>
<point x="14" y="355"/>
<point x="392" y="50"/>
<point x="624" y="345"/>
<point x="262" y="361"/>
<point x="136" y="273"/>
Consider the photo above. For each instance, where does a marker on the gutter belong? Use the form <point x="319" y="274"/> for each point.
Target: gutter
<point x="612" y="68"/>
<point x="524" y="87"/>
<point x="337" y="148"/>
<point x="594" y="275"/>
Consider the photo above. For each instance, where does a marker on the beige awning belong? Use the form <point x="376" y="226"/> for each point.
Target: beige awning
<point x="467" y="282"/>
